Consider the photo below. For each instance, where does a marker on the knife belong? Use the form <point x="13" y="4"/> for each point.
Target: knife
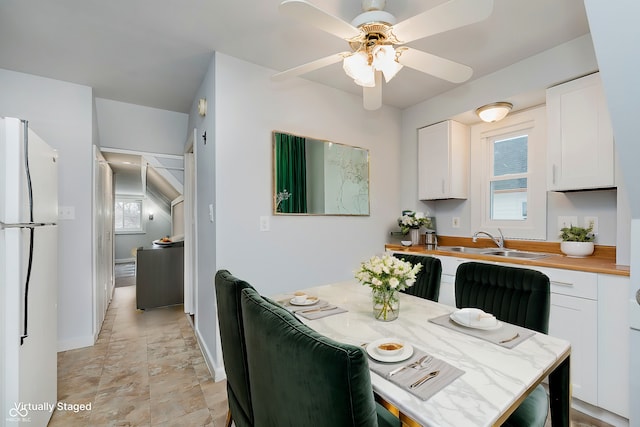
<point x="319" y="309"/>
<point x="424" y="379"/>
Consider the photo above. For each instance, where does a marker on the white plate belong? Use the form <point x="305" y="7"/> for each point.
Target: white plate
<point x="498" y="324"/>
<point x="406" y="353"/>
<point x="160" y="243"/>
<point x="309" y="301"/>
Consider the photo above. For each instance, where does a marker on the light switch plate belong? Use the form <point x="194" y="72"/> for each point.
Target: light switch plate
<point x="264" y="223"/>
<point x="591" y="219"/>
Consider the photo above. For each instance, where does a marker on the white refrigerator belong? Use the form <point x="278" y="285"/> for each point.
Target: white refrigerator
<point x="28" y="276"/>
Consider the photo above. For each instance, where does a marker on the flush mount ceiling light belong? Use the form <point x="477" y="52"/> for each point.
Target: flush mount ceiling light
<point x="494" y="112"/>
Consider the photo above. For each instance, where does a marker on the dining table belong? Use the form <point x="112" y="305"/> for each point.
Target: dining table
<point x="484" y="382"/>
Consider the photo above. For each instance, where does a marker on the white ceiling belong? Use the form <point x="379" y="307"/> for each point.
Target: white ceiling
<point x="156" y="52"/>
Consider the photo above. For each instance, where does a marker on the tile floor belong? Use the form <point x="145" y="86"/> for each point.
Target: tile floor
<point x="146" y="369"/>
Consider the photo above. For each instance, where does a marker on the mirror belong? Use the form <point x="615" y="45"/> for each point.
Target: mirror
<point x="316" y="177"/>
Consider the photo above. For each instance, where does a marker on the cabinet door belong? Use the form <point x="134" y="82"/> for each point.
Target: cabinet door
<point x="575" y="320"/>
<point x="443" y="161"/>
<point x="581" y="150"/>
<point x="433" y="162"/>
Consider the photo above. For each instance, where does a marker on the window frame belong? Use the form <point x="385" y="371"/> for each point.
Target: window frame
<point x="136" y="199"/>
<point x="533" y="123"/>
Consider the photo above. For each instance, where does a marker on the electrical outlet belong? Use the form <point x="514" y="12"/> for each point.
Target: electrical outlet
<point x="591" y="220"/>
<point x="264" y="223"/>
<point x="566" y="221"/>
<point x="455" y="222"/>
<point x="66" y="212"/>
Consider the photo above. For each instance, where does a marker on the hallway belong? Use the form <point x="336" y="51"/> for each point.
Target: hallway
<point x="146" y="369"/>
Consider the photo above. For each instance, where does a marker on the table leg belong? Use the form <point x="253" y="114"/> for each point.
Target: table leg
<point x="560" y="394"/>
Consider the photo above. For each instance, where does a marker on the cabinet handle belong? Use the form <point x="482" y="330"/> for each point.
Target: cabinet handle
<point x="570" y="285"/>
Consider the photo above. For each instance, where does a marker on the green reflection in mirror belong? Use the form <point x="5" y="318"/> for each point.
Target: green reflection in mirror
<point x="315" y="177"/>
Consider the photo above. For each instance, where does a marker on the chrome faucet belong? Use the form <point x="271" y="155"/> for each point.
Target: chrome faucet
<point x="498" y="241"/>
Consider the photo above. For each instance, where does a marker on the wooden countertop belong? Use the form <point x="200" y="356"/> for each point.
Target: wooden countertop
<point x="602" y="260"/>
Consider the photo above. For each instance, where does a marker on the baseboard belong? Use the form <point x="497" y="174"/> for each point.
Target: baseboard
<point x="72" y="344"/>
<point x="217" y="373"/>
<point x="599" y="413"/>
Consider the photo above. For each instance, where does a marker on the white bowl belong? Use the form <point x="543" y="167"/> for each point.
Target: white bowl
<point x="390" y="348"/>
<point x="406" y="242"/>
<point x="577" y="249"/>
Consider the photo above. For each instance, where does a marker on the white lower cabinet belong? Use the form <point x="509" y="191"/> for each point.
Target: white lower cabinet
<point x="590" y="311"/>
<point x="574" y="317"/>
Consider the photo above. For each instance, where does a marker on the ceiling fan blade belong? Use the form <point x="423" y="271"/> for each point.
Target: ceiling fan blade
<point x="312" y="15"/>
<point x="434" y="65"/>
<point x="372" y="96"/>
<point x="445" y="17"/>
<point x="308" y="67"/>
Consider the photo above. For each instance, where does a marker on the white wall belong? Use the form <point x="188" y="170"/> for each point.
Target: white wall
<point x="562" y="63"/>
<point x="61" y="113"/>
<point x="135" y="127"/>
<point x="296" y="251"/>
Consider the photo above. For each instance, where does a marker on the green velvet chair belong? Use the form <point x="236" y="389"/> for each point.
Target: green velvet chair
<point x="427" y="284"/>
<point x="228" y="291"/>
<point x="300" y="378"/>
<point x="515" y="295"/>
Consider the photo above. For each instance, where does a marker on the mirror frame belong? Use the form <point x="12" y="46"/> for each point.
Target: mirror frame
<point x="324" y="141"/>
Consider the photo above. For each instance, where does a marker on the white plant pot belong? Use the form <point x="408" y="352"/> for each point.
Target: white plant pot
<point x="577" y="249"/>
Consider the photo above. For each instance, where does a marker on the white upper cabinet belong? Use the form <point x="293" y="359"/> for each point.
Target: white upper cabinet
<point x="443" y="161"/>
<point x="581" y="150"/>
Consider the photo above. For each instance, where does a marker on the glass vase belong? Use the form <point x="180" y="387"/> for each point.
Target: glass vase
<point x="386" y="304"/>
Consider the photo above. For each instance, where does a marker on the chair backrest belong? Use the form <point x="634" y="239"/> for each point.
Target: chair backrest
<point x="516" y="295"/>
<point x="428" y="279"/>
<point x="300" y="378"/>
<point x="228" y="292"/>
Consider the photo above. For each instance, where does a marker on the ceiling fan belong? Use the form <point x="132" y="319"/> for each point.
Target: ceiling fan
<point x="378" y="43"/>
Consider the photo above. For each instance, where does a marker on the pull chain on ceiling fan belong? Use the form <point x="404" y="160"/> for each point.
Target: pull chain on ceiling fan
<point x="378" y="43"/>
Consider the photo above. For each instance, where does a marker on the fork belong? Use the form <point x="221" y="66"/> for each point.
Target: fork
<point x="418" y="363"/>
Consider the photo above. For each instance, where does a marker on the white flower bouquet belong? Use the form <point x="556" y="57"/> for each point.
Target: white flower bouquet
<point x="413" y="220"/>
<point x="387" y="272"/>
<point x="386" y="275"/>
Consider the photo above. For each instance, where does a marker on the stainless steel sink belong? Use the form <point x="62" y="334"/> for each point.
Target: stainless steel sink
<point x="515" y="254"/>
<point x="506" y="253"/>
<point x="463" y="249"/>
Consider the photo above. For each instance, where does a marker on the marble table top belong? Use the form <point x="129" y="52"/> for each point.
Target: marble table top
<point x="495" y="378"/>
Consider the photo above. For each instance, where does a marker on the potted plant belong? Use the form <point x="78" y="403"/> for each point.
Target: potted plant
<point x="410" y="222"/>
<point x="577" y="241"/>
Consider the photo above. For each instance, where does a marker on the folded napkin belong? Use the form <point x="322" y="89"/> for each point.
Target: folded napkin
<point x="475" y="318"/>
<point x="507" y="335"/>
<point x="403" y="379"/>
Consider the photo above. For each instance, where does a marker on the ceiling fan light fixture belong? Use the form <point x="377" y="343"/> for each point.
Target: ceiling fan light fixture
<point x="494" y="112"/>
<point x="358" y="68"/>
<point x="384" y="59"/>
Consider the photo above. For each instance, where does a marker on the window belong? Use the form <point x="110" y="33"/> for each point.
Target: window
<point x="508" y="183"/>
<point x="128" y="216"/>
<point x="508" y="188"/>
